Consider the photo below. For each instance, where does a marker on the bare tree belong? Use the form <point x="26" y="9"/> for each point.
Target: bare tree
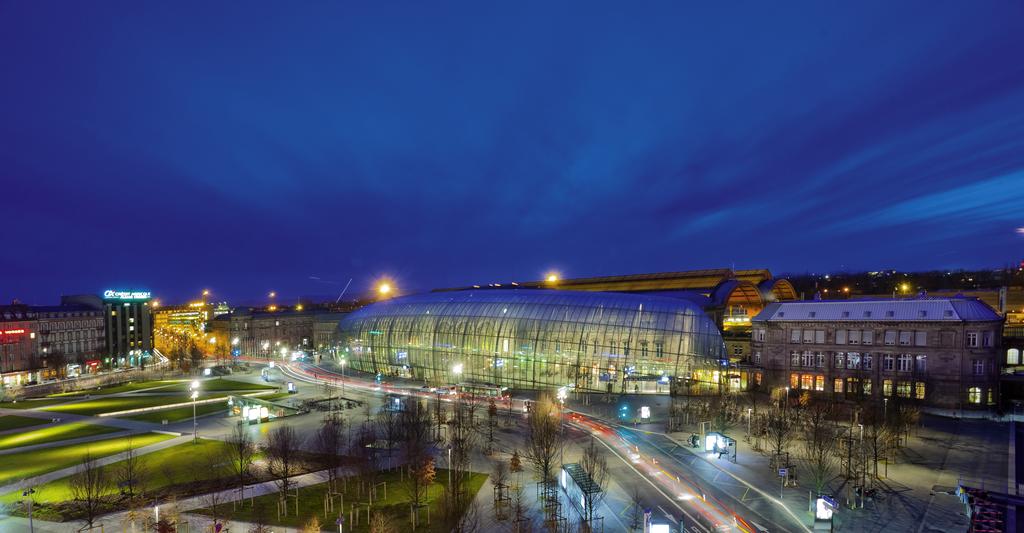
<point x="242" y="452"/>
<point x="499" y="478"/>
<point x="440" y="417"/>
<point x="130" y="473"/>
<point x="779" y="431"/>
<point x="522" y="522"/>
<point x="492" y="421"/>
<point x="387" y="421"/>
<point x="312" y="525"/>
<point x="282" y="456"/>
<point x="89" y="486"/>
<point x="636" y="505"/>
<point x="544" y="439"/>
<point x="594" y="464"/>
<point x="462" y="440"/>
<point x="818" y="451"/>
<point x="329" y="443"/>
<point x="381" y="523"/>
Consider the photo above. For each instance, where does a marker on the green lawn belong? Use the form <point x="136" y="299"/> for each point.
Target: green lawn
<point x="171" y="466"/>
<point x="15" y="422"/>
<point x="396" y="505"/>
<point x="123" y="403"/>
<point x="21" y="465"/>
<point x="53" y="433"/>
<point x="221" y="385"/>
<point x="31" y="404"/>
<point x="115" y="389"/>
<point x="177" y="414"/>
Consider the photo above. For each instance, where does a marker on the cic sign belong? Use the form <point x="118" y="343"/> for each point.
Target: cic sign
<point x="126" y="295"/>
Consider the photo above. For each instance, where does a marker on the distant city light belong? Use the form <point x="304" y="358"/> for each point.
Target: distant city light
<point x="552" y="277"/>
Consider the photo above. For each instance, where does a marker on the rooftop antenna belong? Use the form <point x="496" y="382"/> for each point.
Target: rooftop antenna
<point x="343" y="290"/>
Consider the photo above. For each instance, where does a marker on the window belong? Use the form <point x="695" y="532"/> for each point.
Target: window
<point x="972" y="339"/>
<point x="808" y="359"/>
<point x="794" y="381"/>
<point x="868" y="337"/>
<point x="905" y="337"/>
<point x="922" y="313"/>
<point x="867" y="387"/>
<point x="819" y="383"/>
<point x="852" y="385"/>
<point x="921" y="364"/>
<point x="812" y="314"/>
<point x="839" y="360"/>
<point x="759" y="335"/>
<point x="837" y="385"/>
<point x="948" y="313"/>
<point x="890" y="314"/>
<point x="890" y="337"/>
<point x="854" y="337"/>
<point x="904" y="362"/>
<point x="794" y="336"/>
<point x="794" y="358"/>
<point x="886" y="387"/>
<point x="808" y="336"/>
<point x="757" y="358"/>
<point x="919" y="390"/>
<point x="979" y="367"/>
<point x="840" y="336"/>
<point x="867" y="361"/>
<point x="1013" y="356"/>
<point x="903" y="389"/>
<point x="820" y="359"/>
<point x="867" y="314"/>
<point x="819" y="336"/>
<point x="846" y="314"/>
<point x="986" y="339"/>
<point x="853" y="360"/>
<point x="807" y="381"/>
<point x="974" y="395"/>
<point x="887" y="362"/>
<point x="920" y="338"/>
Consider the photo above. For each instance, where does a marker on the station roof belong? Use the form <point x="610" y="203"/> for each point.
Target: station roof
<point x="920" y="309"/>
<point x="658" y="281"/>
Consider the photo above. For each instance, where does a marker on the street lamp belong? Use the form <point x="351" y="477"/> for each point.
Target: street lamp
<point x="552" y="277"/>
<point x="194" y="387"/>
<point x="457" y="371"/>
<point x="750" y="412"/>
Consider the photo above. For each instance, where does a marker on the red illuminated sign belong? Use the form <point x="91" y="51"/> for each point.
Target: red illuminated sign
<point x="12" y="332"/>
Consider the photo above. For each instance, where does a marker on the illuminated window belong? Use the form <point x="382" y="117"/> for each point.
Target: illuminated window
<point x="819" y="383"/>
<point x="921" y="364"/>
<point x="903" y="389"/>
<point x="919" y="390"/>
<point x="853" y="361"/>
<point x="806" y="381"/>
<point x="839" y="362"/>
<point x="972" y="339"/>
<point x="974" y="395"/>
<point x="837" y="385"/>
<point x="887" y="387"/>
<point x="867" y="386"/>
<point x="794" y="381"/>
<point x="1013" y="356"/>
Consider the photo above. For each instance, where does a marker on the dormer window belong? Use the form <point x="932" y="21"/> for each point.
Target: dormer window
<point x="890" y="314"/>
<point x="867" y="314"/>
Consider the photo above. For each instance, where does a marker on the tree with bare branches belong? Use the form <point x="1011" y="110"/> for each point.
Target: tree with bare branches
<point x="818" y="454"/>
<point x="543" y="439"/>
<point x="130" y="473"/>
<point x="242" y="451"/>
<point x="90" y="486"/>
<point x="780" y="430"/>
<point x="283" y="461"/>
<point x="329" y="443"/>
<point x="381" y="523"/>
<point x="594" y="464"/>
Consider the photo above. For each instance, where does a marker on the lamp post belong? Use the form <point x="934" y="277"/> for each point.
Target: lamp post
<point x="449" y="467"/>
<point x="194" y="387"/>
<point x="29" y="492"/>
<point x="457" y="371"/>
<point x="750" y="412"/>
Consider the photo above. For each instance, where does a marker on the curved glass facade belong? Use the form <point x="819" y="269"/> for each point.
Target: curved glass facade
<point x="532" y="339"/>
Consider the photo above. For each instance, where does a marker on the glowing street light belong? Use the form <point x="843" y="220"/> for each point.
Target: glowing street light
<point x="384" y="289"/>
<point x="457" y="369"/>
<point x="234" y="341"/>
<point x="552" y="277"/>
<point x="194" y="387"/>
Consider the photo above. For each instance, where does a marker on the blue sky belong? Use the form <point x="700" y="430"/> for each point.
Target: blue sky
<point x="250" y="147"/>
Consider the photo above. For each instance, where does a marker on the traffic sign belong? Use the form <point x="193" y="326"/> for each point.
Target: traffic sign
<point x="782" y="472"/>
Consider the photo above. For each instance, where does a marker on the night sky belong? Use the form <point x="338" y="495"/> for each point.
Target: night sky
<point x="245" y="147"/>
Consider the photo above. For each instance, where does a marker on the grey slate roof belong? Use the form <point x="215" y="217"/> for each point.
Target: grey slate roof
<point x="922" y="309"/>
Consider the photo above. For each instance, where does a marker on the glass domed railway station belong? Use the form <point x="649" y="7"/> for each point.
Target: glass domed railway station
<point x="536" y="339"/>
